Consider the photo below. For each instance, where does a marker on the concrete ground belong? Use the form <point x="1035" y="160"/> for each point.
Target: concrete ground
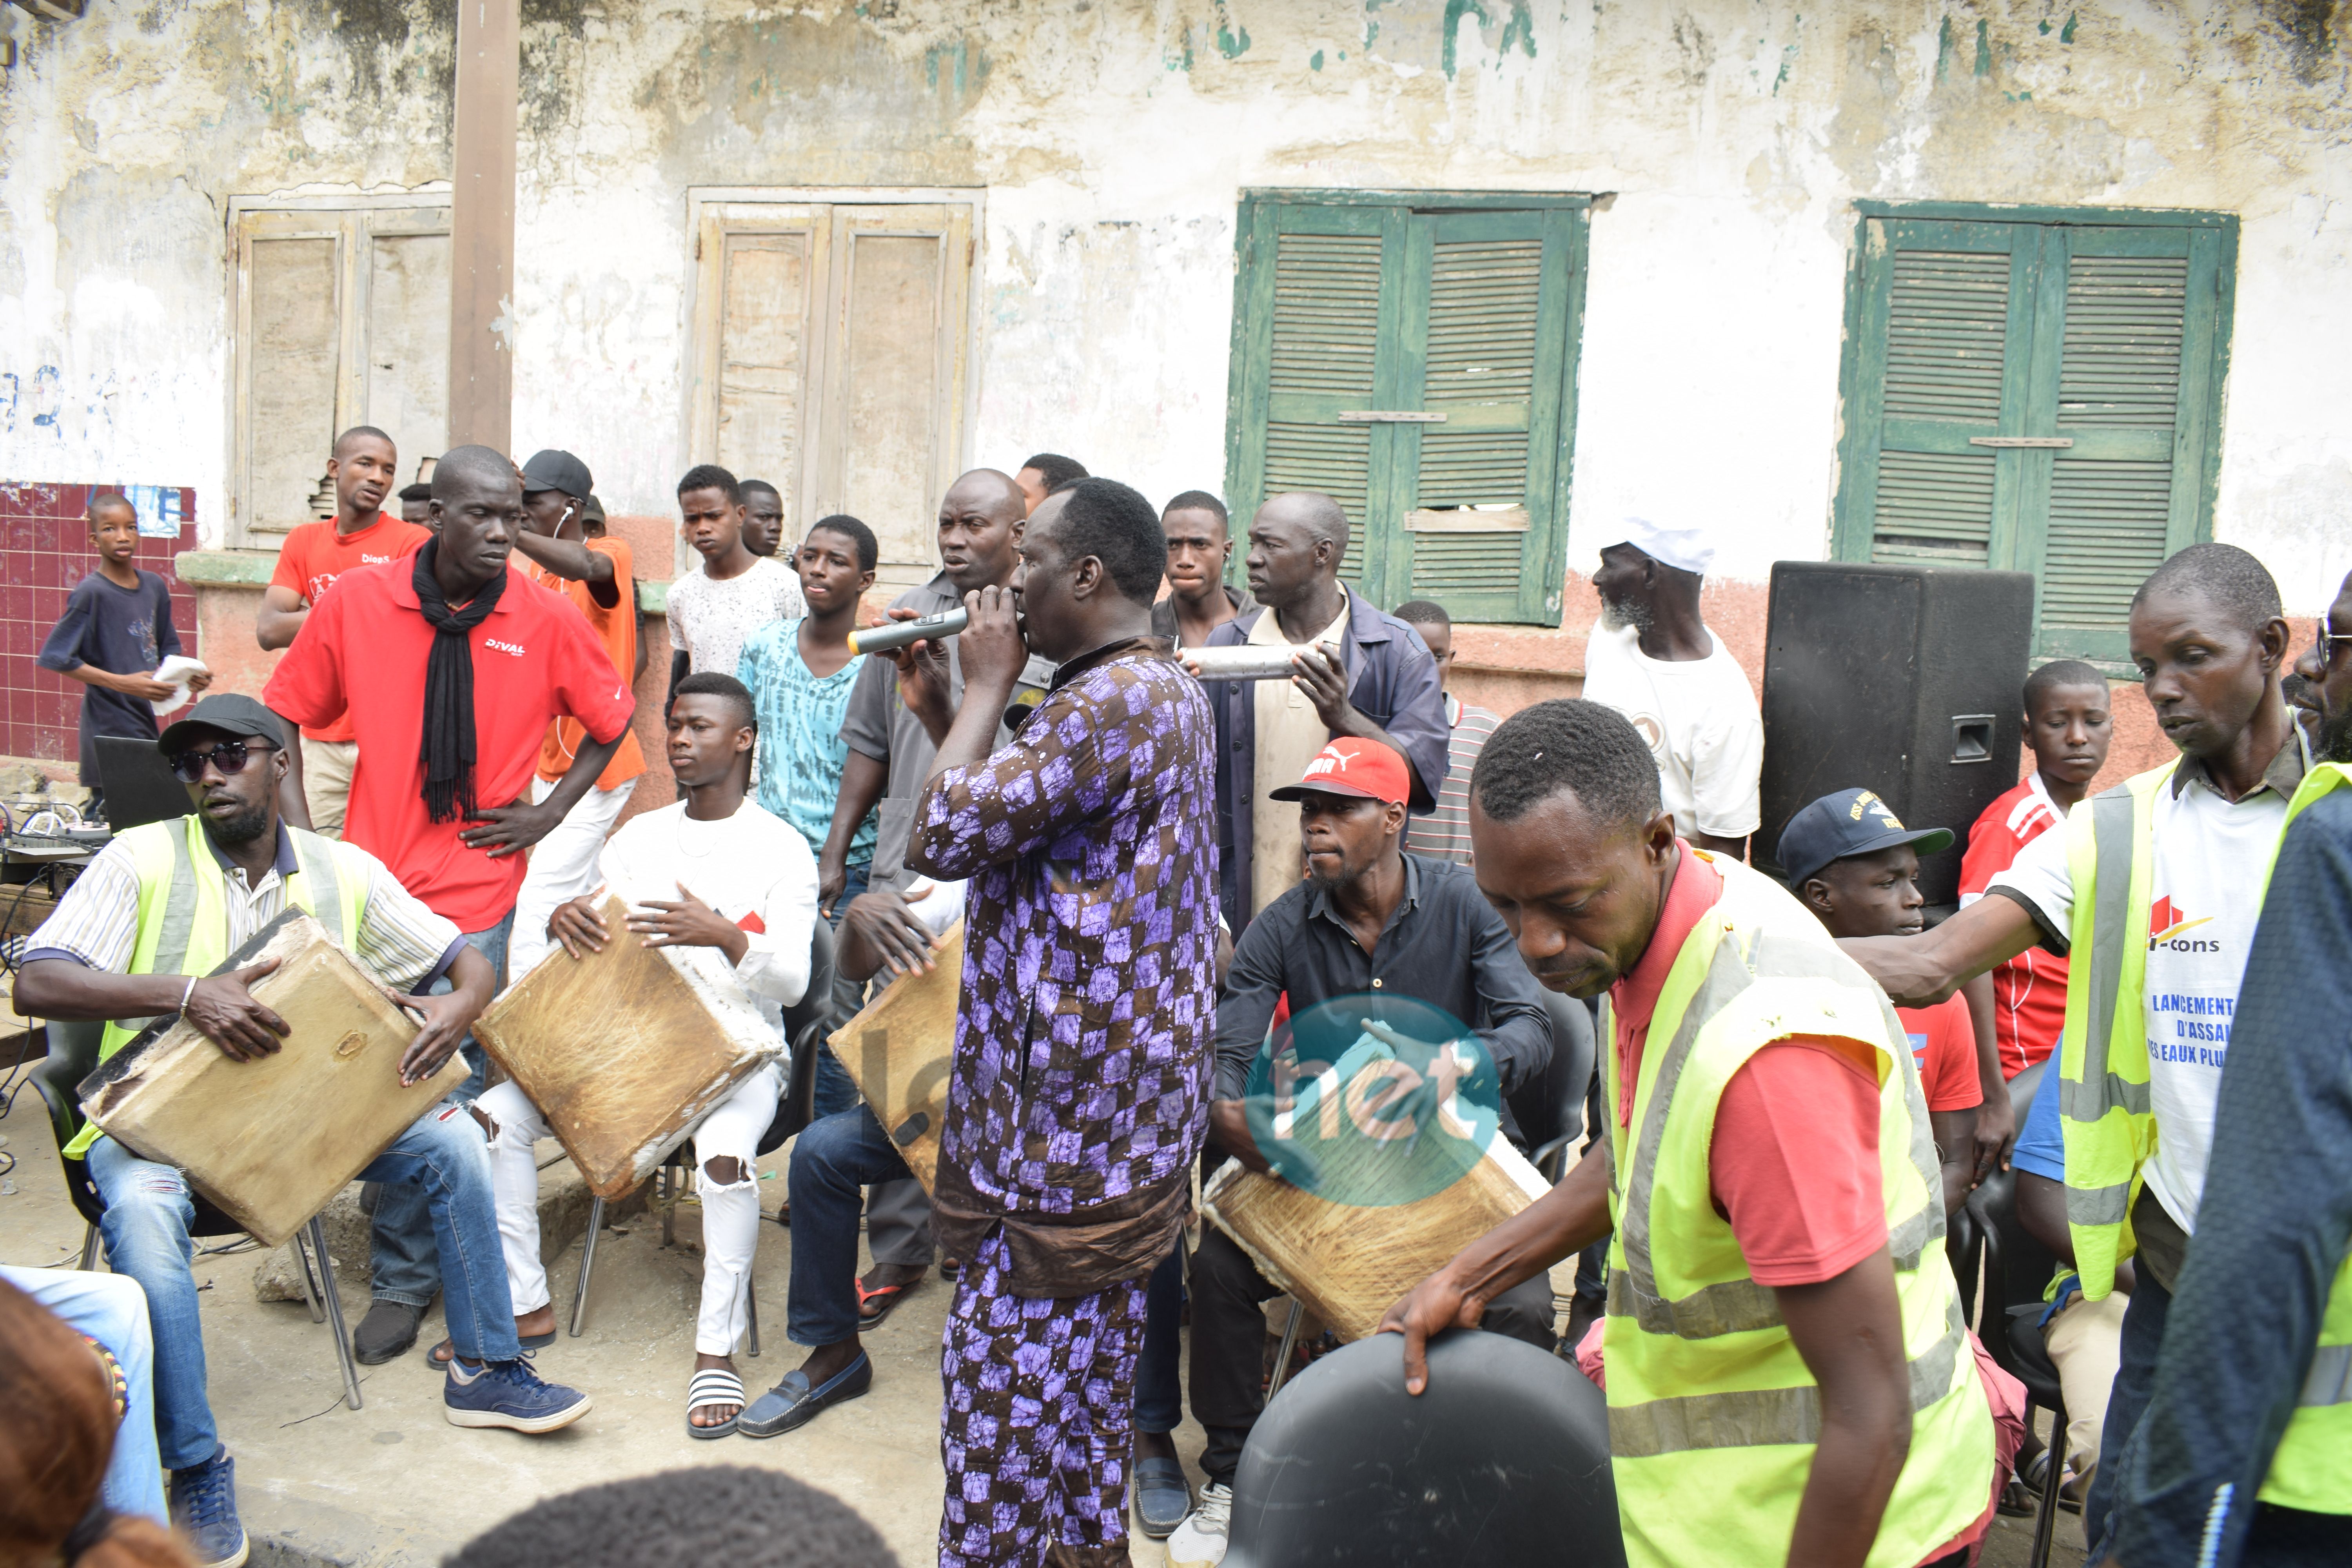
<point x="394" y="1485"/>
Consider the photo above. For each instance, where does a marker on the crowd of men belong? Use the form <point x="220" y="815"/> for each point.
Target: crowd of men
<point x="1157" y="867"/>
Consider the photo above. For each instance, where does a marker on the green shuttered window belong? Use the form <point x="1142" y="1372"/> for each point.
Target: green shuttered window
<point x="2036" y="390"/>
<point x="1459" y="311"/>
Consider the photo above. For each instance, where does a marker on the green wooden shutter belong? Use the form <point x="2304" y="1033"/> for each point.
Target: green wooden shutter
<point x="1348" y="308"/>
<point x="1325" y="274"/>
<point x="2125" y="368"/>
<point x="2038" y="394"/>
<point x="1489" y="292"/>
<point x="1945" y="325"/>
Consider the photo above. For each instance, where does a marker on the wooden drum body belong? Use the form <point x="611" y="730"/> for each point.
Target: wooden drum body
<point x="269" y="1141"/>
<point x="899" y="1050"/>
<point x="626" y="1050"/>
<point x="1348" y="1263"/>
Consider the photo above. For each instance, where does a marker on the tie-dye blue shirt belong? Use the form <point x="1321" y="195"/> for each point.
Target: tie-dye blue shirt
<point x="801" y="748"/>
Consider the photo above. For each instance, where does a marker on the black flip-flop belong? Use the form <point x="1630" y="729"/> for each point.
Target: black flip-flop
<point x="888" y="1295"/>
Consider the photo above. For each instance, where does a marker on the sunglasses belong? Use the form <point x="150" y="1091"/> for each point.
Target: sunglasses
<point x="229" y="757"/>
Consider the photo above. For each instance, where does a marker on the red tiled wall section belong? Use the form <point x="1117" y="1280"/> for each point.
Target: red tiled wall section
<point x="43" y="552"/>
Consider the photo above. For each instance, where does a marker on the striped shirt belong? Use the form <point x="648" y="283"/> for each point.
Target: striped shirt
<point x="97" y="922"/>
<point x="1445" y="834"/>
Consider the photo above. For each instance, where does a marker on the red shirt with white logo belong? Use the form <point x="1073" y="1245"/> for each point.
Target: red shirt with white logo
<point x="365" y="649"/>
<point x="2029" y="990"/>
<point x="314" y="556"/>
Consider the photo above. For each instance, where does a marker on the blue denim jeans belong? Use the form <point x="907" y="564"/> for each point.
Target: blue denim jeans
<point x="112" y="1310"/>
<point x="402" y="1259"/>
<point x="836" y="1092"/>
<point x="442" y="1159"/>
<point x="2135" y="1389"/>
<point x="1158" y="1387"/>
<point x="832" y="1160"/>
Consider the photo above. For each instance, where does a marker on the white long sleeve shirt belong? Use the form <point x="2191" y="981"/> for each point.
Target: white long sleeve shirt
<point x="752" y="867"/>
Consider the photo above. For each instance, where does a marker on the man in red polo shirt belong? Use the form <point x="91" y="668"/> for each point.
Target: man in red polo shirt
<point x="441" y="792"/>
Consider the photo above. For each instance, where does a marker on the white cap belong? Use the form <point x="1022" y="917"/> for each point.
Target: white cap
<point x="1684" y="549"/>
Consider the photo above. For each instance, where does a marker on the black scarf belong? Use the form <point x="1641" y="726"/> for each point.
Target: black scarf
<point x="447" y="747"/>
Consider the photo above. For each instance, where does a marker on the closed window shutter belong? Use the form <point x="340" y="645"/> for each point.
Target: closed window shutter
<point x="763" y="306"/>
<point x="1325" y="328"/>
<point x="1476" y="494"/>
<point x="2102" y="345"/>
<point x="1349" y="308"/>
<point x="292" y="354"/>
<point x="2124" y="496"/>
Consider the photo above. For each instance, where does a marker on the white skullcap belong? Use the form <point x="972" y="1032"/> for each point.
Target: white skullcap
<point x="1685" y="549"/>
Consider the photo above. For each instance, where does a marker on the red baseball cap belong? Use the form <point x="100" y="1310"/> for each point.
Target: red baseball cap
<point x="1365" y="769"/>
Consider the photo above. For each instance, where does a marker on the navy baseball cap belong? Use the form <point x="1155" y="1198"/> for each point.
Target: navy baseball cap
<point x="1850" y="822"/>
<point x="230" y="713"/>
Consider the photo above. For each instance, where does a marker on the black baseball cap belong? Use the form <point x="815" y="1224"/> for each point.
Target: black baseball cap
<point x="230" y="713"/>
<point x="1850" y="822"/>
<point x="554" y="471"/>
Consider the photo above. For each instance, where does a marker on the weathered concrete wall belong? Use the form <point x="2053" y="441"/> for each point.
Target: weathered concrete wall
<point x="1112" y="140"/>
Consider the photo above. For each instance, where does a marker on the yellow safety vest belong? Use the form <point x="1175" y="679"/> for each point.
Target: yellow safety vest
<point x="1713" y="1416"/>
<point x="2311" y="1468"/>
<point x="2104" y="1115"/>
<point x="184" y="909"/>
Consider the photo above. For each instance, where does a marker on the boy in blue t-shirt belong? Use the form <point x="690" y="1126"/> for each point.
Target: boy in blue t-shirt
<point x="116" y="629"/>
<point x="800" y="674"/>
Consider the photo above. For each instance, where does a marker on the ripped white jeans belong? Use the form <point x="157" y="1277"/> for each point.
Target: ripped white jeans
<point x="730" y="1212"/>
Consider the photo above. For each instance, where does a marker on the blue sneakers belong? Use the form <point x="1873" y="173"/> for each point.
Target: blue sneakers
<point x="508" y="1393"/>
<point x="204" y="1510"/>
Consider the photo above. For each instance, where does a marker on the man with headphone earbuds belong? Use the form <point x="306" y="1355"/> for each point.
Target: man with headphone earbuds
<point x="596" y="575"/>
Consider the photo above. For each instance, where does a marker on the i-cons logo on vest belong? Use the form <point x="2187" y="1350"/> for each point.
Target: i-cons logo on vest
<point x="2167" y="924"/>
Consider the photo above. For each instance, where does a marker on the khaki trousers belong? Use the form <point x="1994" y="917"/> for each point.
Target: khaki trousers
<point x="327" y="782"/>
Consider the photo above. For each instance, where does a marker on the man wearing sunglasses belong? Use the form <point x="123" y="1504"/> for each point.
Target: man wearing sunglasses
<point x="115" y="952"/>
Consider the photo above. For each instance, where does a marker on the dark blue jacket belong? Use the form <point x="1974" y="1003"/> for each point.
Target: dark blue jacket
<point x="2271" y="1227"/>
<point x="1392" y="681"/>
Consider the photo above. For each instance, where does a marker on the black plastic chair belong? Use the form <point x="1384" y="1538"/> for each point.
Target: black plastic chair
<point x="1503" y="1462"/>
<point x="806" y="1021"/>
<point x="2017" y="1269"/>
<point x="73" y="1055"/>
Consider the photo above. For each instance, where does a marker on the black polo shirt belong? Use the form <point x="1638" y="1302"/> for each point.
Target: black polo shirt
<point x="1445" y="945"/>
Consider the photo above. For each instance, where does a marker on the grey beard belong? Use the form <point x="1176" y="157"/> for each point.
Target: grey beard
<point x="1619" y="613"/>
<point x="240" y="829"/>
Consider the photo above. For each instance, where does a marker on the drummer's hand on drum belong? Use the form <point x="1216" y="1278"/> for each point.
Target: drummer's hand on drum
<point x="1228" y="1125"/>
<point x="579" y="927"/>
<point x="224" y="1013"/>
<point x="688" y="922"/>
<point x="884" y="921"/>
<point x="1428" y="1309"/>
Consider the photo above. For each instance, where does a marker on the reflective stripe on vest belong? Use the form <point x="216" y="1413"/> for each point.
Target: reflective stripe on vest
<point x="1708" y="1396"/>
<point x="183" y="910"/>
<point x="2312" y="1467"/>
<point x="2102" y="1066"/>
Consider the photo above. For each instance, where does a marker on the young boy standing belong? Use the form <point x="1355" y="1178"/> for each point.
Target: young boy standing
<point x="116" y="629"/>
<point x="363" y="467"/>
<point x="2067" y="727"/>
<point x="713" y="611"/>
<point x="800" y="674"/>
<point x="1857" y="867"/>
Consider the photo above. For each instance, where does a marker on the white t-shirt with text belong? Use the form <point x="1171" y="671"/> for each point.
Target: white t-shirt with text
<point x="2205" y="899"/>
<point x="1700" y="719"/>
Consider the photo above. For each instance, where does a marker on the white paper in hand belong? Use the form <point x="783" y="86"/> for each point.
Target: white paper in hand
<point x="175" y="672"/>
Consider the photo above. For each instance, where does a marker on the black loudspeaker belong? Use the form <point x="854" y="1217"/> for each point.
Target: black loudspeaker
<point x="1901" y="680"/>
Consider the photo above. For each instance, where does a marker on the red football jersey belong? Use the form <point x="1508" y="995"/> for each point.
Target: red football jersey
<point x="2030" y="990"/>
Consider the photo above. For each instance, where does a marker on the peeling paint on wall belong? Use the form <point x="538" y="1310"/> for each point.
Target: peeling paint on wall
<point x="1112" y="140"/>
